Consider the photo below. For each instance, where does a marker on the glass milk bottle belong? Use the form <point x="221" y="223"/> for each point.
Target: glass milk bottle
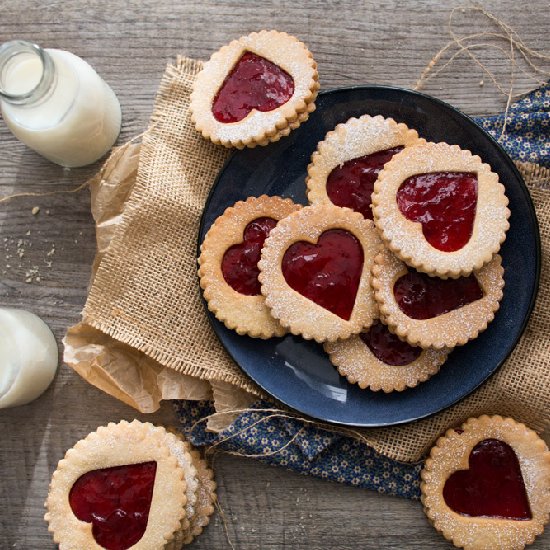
<point x="55" y="103"/>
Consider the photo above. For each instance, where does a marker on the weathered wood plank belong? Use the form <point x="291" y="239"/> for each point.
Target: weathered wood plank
<point x="129" y="43"/>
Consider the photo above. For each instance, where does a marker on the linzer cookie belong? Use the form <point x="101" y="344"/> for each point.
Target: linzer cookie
<point x="255" y="90"/>
<point x="440" y="209"/>
<point x="315" y="272"/>
<point x="130" y="486"/>
<point x="432" y="312"/>
<point x="182" y="451"/>
<point x="347" y="162"/>
<point x="486" y="484"/>
<point x="228" y="264"/>
<point x="379" y="360"/>
<point x="204" y="499"/>
<point x="120" y="487"/>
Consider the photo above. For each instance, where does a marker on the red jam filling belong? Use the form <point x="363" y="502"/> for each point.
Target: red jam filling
<point x="352" y="183"/>
<point x="253" y="83"/>
<point x="329" y="272"/>
<point x="116" y="501"/>
<point x="240" y="261"/>
<point x="388" y="348"/>
<point x="420" y="296"/>
<point x="444" y="203"/>
<point x="492" y="486"/>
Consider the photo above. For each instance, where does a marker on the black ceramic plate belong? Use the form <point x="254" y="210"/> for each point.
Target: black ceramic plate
<point x="298" y="372"/>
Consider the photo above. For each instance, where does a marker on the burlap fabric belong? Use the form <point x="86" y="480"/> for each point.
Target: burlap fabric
<point x="146" y="295"/>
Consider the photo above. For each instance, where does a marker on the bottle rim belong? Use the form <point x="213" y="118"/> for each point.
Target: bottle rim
<point x="8" y="50"/>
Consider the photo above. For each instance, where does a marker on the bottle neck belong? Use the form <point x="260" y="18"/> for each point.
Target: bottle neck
<point x="27" y="73"/>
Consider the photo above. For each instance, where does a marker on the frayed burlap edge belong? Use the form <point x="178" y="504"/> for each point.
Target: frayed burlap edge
<point x="107" y="306"/>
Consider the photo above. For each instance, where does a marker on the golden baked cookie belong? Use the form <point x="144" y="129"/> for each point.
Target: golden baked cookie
<point x="205" y="498"/>
<point x="254" y="90"/>
<point x="432" y="312"/>
<point x="228" y="264"/>
<point x="315" y="272"/>
<point x="486" y="484"/>
<point x="379" y="360"/>
<point x="120" y="487"/>
<point x="347" y="162"/>
<point x="302" y="117"/>
<point x="182" y="450"/>
<point x="440" y="209"/>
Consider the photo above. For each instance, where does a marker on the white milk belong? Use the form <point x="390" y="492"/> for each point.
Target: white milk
<point x="28" y="357"/>
<point x="74" y="121"/>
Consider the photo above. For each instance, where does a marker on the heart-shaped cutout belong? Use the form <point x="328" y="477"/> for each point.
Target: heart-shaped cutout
<point x="253" y="83"/>
<point x="240" y="261"/>
<point x="327" y="273"/>
<point x="351" y="184"/>
<point x="444" y="203"/>
<point x="420" y="296"/>
<point x="116" y="501"/>
<point x="492" y="486"/>
<point x="388" y="348"/>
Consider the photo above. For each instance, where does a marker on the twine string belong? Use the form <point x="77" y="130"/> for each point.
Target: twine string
<point x="218" y="505"/>
<point x="271" y="414"/>
<point x="462" y="45"/>
<point x="46" y="193"/>
<point x="76" y="189"/>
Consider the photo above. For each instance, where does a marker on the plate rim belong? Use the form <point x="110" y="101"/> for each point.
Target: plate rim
<point x="538" y="258"/>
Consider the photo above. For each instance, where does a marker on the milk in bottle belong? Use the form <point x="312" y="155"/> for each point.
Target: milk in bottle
<point x="55" y="102"/>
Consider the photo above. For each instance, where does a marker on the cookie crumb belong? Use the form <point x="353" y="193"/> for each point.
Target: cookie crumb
<point x="35" y="210"/>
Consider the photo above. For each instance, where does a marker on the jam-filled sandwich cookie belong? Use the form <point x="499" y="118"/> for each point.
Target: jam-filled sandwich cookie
<point x="429" y="311"/>
<point x="347" y="162"/>
<point x="228" y="264"/>
<point x="204" y="499"/>
<point x="121" y="487"/>
<point x="486" y="485"/>
<point x="440" y="209"/>
<point x="380" y="360"/>
<point x="315" y="272"/>
<point x="255" y="90"/>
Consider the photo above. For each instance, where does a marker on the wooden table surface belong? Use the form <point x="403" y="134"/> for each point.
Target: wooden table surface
<point x="129" y="43"/>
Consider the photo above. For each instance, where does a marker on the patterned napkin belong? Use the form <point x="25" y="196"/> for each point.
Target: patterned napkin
<point x="273" y="437"/>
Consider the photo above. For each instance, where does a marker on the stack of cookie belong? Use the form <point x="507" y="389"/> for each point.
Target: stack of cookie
<point x="255" y="90"/>
<point x="393" y="264"/>
<point x="130" y="485"/>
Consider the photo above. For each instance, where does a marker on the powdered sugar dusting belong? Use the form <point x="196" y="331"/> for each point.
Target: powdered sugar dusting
<point x="180" y="450"/>
<point x="114" y="445"/>
<point x="448" y="330"/>
<point x="245" y="314"/>
<point x="293" y="310"/>
<point x="405" y="238"/>
<point x="258" y="128"/>
<point x="358" y="364"/>
<point x="451" y="453"/>
<point x="355" y="138"/>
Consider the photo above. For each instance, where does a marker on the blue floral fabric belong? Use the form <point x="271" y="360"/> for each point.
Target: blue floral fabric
<point x="289" y="442"/>
<point x="527" y="135"/>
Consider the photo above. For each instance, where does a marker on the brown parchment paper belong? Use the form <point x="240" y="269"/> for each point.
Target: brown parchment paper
<point x="114" y="367"/>
<point x="145" y="335"/>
